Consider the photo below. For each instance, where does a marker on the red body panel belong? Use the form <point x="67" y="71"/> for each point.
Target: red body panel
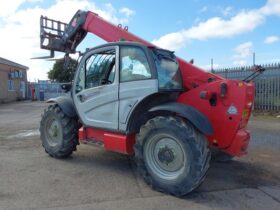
<point x="226" y="126"/>
<point x="194" y="76"/>
<point x="240" y="143"/>
<point x="109" y="32"/>
<point x="119" y="143"/>
<point x="229" y="129"/>
<point x="112" y="141"/>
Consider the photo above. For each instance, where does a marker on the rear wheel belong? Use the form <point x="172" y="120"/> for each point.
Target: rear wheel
<point x="171" y="155"/>
<point x="59" y="133"/>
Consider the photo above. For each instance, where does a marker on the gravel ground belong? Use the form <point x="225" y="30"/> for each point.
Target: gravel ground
<point x="95" y="179"/>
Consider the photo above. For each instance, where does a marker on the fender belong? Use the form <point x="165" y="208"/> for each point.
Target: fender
<point x="140" y="113"/>
<point x="66" y="104"/>
<point x="199" y="120"/>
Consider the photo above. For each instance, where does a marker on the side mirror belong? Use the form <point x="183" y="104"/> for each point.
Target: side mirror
<point x="66" y="87"/>
<point x="259" y="68"/>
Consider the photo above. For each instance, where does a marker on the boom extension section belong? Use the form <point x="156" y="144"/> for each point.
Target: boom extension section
<point x="62" y="37"/>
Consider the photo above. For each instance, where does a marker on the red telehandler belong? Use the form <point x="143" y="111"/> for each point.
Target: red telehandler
<point x="132" y="97"/>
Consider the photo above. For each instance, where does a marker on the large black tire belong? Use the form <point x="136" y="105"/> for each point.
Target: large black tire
<point x="171" y="155"/>
<point x="59" y="133"/>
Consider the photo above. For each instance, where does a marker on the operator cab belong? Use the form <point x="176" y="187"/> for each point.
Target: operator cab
<point x="112" y="79"/>
<point x="136" y="62"/>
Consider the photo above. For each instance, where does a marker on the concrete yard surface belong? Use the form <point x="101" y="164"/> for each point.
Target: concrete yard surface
<point x="96" y="179"/>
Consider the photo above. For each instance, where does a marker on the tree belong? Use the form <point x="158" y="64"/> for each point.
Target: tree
<point x="59" y="73"/>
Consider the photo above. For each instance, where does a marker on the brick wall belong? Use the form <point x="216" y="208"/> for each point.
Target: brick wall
<point x="11" y="95"/>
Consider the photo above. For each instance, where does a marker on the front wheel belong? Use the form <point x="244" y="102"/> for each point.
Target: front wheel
<point x="59" y="133"/>
<point x="172" y="155"/>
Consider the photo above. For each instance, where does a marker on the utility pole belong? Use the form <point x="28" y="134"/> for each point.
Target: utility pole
<point x="212" y="70"/>
<point x="254" y="57"/>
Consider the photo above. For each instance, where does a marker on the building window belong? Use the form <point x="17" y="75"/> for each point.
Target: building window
<point x="11" y="86"/>
<point x="16" y="74"/>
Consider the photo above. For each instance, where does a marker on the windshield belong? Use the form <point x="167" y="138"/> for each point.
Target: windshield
<point x="169" y="76"/>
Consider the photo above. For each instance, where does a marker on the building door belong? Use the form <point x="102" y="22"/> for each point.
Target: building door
<point x="22" y="89"/>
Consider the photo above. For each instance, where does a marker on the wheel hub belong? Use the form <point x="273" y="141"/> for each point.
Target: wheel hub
<point x="53" y="132"/>
<point x="166" y="155"/>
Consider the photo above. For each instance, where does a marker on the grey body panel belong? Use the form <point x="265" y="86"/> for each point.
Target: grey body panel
<point x="123" y="106"/>
<point x="100" y="108"/>
<point x="199" y="120"/>
<point x="110" y="106"/>
<point x="130" y="95"/>
<point x="66" y="104"/>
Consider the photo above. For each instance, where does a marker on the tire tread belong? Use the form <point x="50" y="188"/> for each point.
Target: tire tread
<point x="199" y="147"/>
<point x="70" y="132"/>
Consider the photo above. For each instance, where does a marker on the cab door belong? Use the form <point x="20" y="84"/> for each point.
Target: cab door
<point x="95" y="91"/>
<point x="137" y="81"/>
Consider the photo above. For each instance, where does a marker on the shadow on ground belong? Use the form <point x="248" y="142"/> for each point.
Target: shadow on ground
<point x="235" y="174"/>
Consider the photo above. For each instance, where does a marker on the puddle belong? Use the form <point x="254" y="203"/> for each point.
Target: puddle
<point x="25" y="133"/>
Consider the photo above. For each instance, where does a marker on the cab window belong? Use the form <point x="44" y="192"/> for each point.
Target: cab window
<point x="168" y="71"/>
<point x="80" y="83"/>
<point x="100" y="69"/>
<point x="133" y="64"/>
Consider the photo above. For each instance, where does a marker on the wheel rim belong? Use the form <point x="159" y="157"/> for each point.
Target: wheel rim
<point x="165" y="156"/>
<point x="53" y="131"/>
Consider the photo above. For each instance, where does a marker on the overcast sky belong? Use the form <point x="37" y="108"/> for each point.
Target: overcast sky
<point x="227" y="31"/>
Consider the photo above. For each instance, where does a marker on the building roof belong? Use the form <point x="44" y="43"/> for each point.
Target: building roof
<point x="11" y="63"/>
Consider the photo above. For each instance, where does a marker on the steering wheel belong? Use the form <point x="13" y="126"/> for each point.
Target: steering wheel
<point x="105" y="81"/>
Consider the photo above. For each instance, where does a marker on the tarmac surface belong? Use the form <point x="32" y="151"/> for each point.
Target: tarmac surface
<point x="96" y="179"/>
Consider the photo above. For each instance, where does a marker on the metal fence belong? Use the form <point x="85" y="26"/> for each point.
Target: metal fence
<point x="45" y="90"/>
<point x="267" y="94"/>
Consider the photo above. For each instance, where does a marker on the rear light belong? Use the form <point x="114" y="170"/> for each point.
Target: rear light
<point x="249" y="105"/>
<point x="249" y="97"/>
<point x="240" y="84"/>
<point x="245" y="115"/>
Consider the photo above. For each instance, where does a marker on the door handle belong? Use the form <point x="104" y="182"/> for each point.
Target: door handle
<point x="82" y="97"/>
